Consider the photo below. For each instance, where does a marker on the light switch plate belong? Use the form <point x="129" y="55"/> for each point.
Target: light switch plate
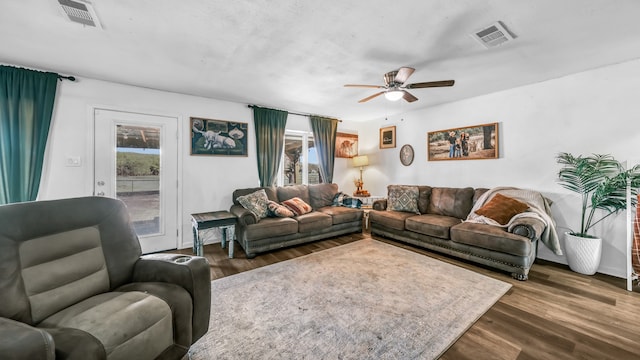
<point x="73" y="161"/>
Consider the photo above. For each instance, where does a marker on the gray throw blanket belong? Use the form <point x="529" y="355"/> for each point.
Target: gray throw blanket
<point x="538" y="208"/>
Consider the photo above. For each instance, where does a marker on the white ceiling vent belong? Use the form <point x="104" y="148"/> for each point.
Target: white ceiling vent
<point x="81" y="12"/>
<point x="493" y="35"/>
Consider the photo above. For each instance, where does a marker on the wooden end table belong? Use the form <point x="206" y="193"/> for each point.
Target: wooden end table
<point x="223" y="220"/>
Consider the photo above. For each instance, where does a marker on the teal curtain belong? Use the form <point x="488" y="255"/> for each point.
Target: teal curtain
<point x="270" y="125"/>
<point x="26" y="105"/>
<point x="324" y="136"/>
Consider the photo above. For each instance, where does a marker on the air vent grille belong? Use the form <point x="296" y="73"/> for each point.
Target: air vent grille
<point x="493" y="35"/>
<point x="80" y="12"/>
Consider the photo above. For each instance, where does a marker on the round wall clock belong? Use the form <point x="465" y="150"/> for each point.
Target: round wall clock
<point x="406" y="155"/>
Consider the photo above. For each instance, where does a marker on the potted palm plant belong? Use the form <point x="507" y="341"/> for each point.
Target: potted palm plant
<point x="602" y="183"/>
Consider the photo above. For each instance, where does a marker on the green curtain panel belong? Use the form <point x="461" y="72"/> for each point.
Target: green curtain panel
<point x="270" y="125"/>
<point x="324" y="135"/>
<point x="26" y="105"/>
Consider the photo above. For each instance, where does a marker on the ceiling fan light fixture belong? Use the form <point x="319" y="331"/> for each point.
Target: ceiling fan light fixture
<point x="394" y="95"/>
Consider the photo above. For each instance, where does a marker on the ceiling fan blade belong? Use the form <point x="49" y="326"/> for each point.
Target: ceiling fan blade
<point x="365" y="86"/>
<point x="403" y="74"/>
<point x="430" y="84"/>
<point x="371" y="97"/>
<point x="407" y="96"/>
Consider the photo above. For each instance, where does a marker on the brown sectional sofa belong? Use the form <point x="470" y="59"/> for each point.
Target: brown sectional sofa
<point x="257" y="235"/>
<point x="440" y="226"/>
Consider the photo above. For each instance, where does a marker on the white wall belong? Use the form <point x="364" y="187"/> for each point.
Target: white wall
<point x="207" y="181"/>
<point x="591" y="112"/>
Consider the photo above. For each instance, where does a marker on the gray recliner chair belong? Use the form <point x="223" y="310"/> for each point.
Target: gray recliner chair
<point x="73" y="285"/>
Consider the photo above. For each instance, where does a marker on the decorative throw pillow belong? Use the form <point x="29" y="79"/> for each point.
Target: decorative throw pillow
<point x="255" y="202"/>
<point x="403" y="198"/>
<point x="277" y="210"/>
<point x="298" y="206"/>
<point x="502" y="208"/>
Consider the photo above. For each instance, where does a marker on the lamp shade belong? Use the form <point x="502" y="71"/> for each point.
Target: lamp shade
<point x="360" y="161"/>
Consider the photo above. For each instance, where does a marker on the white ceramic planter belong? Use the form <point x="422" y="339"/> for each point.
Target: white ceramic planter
<point x="583" y="254"/>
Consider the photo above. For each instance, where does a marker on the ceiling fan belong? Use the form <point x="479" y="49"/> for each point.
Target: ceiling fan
<point x="395" y="87"/>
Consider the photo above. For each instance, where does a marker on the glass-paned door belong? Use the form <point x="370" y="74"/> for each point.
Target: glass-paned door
<point x="136" y="162"/>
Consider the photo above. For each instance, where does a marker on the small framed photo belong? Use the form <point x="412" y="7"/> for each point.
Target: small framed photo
<point x="387" y="137"/>
<point x="346" y="145"/>
<point x="218" y="137"/>
<point x="465" y="143"/>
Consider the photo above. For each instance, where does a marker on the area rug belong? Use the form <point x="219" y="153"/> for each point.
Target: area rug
<point x="362" y="300"/>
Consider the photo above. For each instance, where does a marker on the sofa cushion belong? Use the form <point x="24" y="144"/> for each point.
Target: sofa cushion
<point x="424" y="196"/>
<point x="298" y="206"/>
<point x="403" y="198"/>
<point x="130" y="325"/>
<point x="313" y="221"/>
<point x="456" y="202"/>
<point x="477" y="193"/>
<point x="59" y="270"/>
<point x="502" y="208"/>
<point x="322" y="195"/>
<point x="278" y="210"/>
<point x="179" y="301"/>
<point x="270" y="191"/>
<point x="271" y="227"/>
<point x="490" y="237"/>
<point x="291" y="191"/>
<point x="342" y="215"/>
<point x="432" y="225"/>
<point x="256" y="202"/>
<point x="391" y="219"/>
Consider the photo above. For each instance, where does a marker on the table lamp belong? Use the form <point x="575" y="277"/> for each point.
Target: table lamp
<point x="360" y="161"/>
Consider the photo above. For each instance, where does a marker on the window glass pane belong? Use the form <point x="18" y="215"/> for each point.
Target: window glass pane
<point x="314" y="170"/>
<point x="138" y="175"/>
<point x="300" y="160"/>
<point x="292" y="166"/>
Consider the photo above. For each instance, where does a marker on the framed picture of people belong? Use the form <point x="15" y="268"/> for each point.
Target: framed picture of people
<point x="465" y="143"/>
<point x="218" y="137"/>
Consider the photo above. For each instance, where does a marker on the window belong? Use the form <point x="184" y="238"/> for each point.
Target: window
<point x="299" y="163"/>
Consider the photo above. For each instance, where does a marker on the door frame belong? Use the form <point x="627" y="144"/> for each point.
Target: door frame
<point x="91" y="156"/>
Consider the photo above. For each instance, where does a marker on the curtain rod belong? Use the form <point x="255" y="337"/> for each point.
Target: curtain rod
<point x="294" y="113"/>
<point x="70" y="78"/>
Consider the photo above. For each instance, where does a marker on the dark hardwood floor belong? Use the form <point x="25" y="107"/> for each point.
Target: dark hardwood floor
<point x="556" y="314"/>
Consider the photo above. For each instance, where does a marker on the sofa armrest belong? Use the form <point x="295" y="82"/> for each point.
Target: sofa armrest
<point x="380" y="204"/>
<point x="245" y="217"/>
<point x="189" y="272"/>
<point x="528" y="227"/>
<point x="22" y="341"/>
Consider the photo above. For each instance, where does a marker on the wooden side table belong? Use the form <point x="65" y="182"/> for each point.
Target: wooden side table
<point x="224" y="220"/>
<point x="367" y="205"/>
<point x="367" y="201"/>
<point x="365" y="216"/>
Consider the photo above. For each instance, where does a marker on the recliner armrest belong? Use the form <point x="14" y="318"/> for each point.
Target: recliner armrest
<point x="189" y="272"/>
<point x="528" y="227"/>
<point x="22" y="341"/>
<point x="245" y="217"/>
